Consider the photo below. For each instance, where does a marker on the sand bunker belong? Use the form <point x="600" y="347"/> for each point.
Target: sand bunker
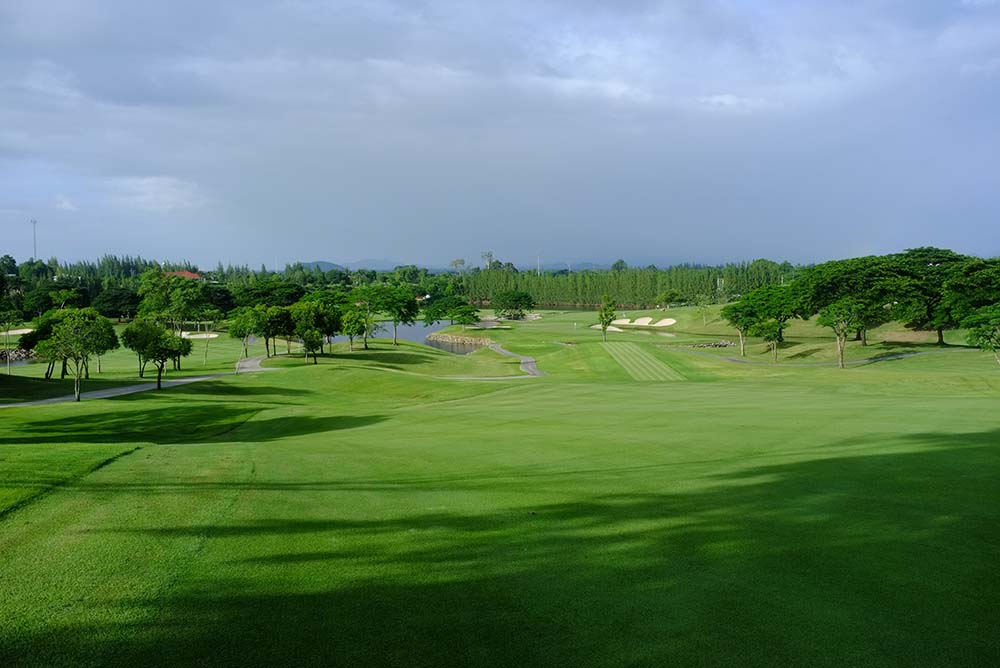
<point x="16" y="332"/>
<point x="611" y="328"/>
<point x="196" y="335"/>
<point x="644" y="322"/>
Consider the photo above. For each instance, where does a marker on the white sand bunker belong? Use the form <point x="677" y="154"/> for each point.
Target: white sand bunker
<point x="644" y="322"/>
<point x="16" y="332"/>
<point x="611" y="328"/>
<point x="196" y="335"/>
<point x="666" y="334"/>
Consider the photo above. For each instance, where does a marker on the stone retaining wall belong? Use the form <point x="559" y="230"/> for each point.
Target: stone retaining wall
<point x="16" y="355"/>
<point x="467" y="340"/>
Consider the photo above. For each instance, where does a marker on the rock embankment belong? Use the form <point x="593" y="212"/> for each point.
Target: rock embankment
<point x="16" y="355"/>
<point x="465" y="340"/>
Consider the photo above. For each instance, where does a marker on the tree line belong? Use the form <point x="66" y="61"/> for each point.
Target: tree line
<point x="630" y="287"/>
<point x="927" y="289"/>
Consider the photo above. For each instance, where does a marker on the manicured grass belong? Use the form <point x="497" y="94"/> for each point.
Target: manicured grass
<point x="372" y="511"/>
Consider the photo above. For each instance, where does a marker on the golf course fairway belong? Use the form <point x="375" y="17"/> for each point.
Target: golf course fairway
<point x="645" y="503"/>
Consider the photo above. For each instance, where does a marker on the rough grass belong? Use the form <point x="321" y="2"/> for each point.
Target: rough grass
<point x="369" y="511"/>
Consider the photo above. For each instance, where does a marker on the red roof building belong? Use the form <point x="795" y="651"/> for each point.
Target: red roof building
<point x="184" y="274"/>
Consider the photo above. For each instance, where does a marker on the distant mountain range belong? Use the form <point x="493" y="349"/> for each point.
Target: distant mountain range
<point x="377" y="265"/>
<point x="389" y="265"/>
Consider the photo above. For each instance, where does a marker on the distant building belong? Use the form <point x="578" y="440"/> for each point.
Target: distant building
<point x="185" y="274"/>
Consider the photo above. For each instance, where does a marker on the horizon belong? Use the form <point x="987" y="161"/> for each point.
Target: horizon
<point x="388" y="264"/>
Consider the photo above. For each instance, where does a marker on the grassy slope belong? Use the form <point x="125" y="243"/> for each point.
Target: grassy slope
<point x="368" y="512"/>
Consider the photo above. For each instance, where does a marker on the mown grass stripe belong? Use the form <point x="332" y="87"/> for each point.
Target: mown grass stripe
<point x="648" y="366"/>
<point x="618" y="355"/>
<point x="639" y="364"/>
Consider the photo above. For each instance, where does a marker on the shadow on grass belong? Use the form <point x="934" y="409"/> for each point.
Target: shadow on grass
<point x="809" y="352"/>
<point x="15" y="389"/>
<point x="213" y="389"/>
<point x="193" y="423"/>
<point x="385" y="356"/>
<point x="877" y="559"/>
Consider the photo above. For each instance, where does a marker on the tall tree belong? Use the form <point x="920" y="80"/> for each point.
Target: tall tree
<point x="774" y="303"/>
<point x="606" y="315"/>
<point x="923" y="274"/>
<point x="369" y="300"/>
<point x="984" y="329"/>
<point x="843" y="316"/>
<point x="8" y="321"/>
<point x="138" y="337"/>
<point x="246" y="322"/>
<point x="401" y="306"/>
<point x="79" y="335"/>
<point x="743" y="316"/>
<point x="464" y="315"/>
<point x="512" y="304"/>
<point x="770" y="332"/>
<point x="157" y="344"/>
<point x="354" y="323"/>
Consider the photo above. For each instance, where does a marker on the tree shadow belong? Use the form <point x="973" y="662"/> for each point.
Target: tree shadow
<point x="395" y="357"/>
<point x="809" y="352"/>
<point x="192" y="423"/>
<point x="212" y="389"/>
<point x="858" y="558"/>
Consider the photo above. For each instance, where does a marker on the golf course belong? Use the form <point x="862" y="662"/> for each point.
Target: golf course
<point x="652" y="500"/>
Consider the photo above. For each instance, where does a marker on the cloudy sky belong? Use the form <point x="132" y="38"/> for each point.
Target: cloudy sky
<point x="425" y="130"/>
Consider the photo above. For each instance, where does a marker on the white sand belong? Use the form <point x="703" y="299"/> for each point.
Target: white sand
<point x="621" y="321"/>
<point x="611" y="328"/>
<point x="16" y="332"/>
<point x="666" y="322"/>
<point x="642" y="322"/>
<point x="196" y="335"/>
<point x="666" y="334"/>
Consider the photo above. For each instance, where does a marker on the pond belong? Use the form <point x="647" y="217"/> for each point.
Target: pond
<point x="418" y="333"/>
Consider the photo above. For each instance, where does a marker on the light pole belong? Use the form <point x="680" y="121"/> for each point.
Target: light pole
<point x="34" y="239"/>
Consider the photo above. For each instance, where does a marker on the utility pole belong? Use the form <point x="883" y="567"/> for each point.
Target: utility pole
<point x="34" y="239"/>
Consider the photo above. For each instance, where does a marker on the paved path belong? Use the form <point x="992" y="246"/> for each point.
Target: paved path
<point x="527" y="363"/>
<point x="248" y="365"/>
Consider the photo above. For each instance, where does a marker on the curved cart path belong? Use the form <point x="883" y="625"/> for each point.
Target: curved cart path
<point x="527" y="363"/>
<point x="248" y="365"/>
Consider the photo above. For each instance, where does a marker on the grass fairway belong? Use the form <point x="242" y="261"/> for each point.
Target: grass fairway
<point x="385" y="509"/>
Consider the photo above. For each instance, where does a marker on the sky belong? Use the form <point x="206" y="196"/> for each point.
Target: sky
<point x="426" y="130"/>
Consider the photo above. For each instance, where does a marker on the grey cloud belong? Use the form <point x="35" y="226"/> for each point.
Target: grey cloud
<point x="657" y="131"/>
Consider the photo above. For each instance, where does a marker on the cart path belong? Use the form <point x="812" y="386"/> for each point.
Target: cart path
<point x="527" y="363"/>
<point x="248" y="365"/>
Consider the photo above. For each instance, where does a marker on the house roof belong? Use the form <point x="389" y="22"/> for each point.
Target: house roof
<point x="183" y="274"/>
